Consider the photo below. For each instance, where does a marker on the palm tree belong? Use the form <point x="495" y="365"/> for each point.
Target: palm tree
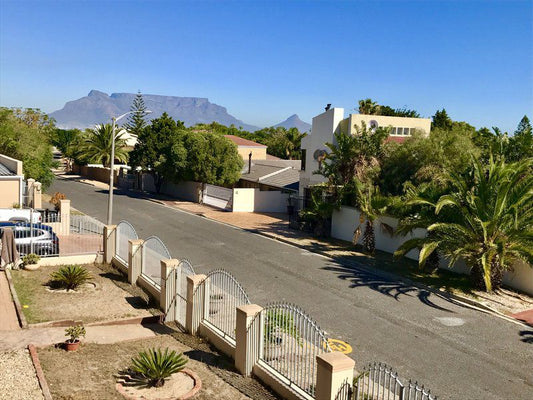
<point x="372" y="205"/>
<point x="487" y="220"/>
<point x="368" y="107"/>
<point x="98" y="144"/>
<point x="294" y="143"/>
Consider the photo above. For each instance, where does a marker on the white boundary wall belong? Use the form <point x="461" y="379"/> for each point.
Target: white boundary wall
<point x="256" y="200"/>
<point x="345" y="221"/>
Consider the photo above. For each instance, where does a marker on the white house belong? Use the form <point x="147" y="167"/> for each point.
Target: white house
<point x="325" y="126"/>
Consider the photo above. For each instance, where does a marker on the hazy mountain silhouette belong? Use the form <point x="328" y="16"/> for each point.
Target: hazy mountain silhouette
<point x="295" y="122"/>
<point x="98" y="107"/>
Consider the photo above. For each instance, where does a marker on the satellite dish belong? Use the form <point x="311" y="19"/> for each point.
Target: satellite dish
<point x="373" y="124"/>
<point x="319" y="155"/>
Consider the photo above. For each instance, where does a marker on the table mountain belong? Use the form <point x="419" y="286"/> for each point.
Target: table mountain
<point x="295" y="122"/>
<point x="98" y="107"/>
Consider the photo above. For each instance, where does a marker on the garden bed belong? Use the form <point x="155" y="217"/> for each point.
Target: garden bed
<point x="18" y="381"/>
<point x="89" y="373"/>
<point x="103" y="301"/>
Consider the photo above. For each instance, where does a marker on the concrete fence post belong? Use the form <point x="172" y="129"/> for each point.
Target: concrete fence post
<point x="110" y="242"/>
<point x="134" y="260"/>
<point x="30" y="182"/>
<point x="167" y="302"/>
<point x="247" y="346"/>
<point x="64" y="210"/>
<point x="333" y="370"/>
<point x="37" y="195"/>
<point x="195" y="304"/>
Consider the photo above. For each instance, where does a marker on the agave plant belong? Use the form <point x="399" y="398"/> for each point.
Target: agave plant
<point x="154" y="365"/>
<point x="70" y="277"/>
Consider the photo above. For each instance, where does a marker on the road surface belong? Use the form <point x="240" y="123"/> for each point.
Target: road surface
<point x="457" y="352"/>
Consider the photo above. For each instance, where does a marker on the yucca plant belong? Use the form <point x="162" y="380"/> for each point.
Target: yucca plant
<point x="70" y="277"/>
<point x="154" y="365"/>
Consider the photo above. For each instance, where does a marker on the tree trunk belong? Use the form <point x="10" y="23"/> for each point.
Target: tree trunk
<point x="369" y="238"/>
<point x="476" y="277"/>
<point x="432" y="262"/>
<point x="496" y="273"/>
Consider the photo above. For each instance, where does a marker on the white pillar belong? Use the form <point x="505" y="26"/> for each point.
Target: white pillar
<point x="195" y="303"/>
<point x="333" y="370"/>
<point x="134" y="260"/>
<point x="110" y="242"/>
<point x="247" y="346"/>
<point x="167" y="301"/>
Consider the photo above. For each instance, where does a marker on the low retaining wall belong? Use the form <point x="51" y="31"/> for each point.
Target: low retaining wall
<point x="64" y="260"/>
<point x="345" y="221"/>
<point x="217" y="340"/>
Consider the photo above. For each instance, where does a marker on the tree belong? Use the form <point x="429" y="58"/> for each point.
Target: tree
<point x="521" y="143"/>
<point x="25" y="135"/>
<point x="136" y="122"/>
<point x="99" y="143"/>
<point x="441" y="120"/>
<point x="154" y="146"/>
<point x="68" y="142"/>
<point x="488" y="220"/>
<point x="368" y="107"/>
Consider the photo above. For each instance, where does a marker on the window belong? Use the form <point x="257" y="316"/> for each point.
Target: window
<point x="304" y="153"/>
<point x="393" y="131"/>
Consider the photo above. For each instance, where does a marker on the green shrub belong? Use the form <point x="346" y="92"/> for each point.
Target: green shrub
<point x="70" y="277"/>
<point x="31" y="258"/>
<point x="74" y="333"/>
<point x="154" y="365"/>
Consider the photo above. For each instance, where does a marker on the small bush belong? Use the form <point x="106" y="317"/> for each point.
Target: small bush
<point x="56" y="200"/>
<point x="74" y="333"/>
<point x="154" y="365"/>
<point x="30" y="259"/>
<point x="70" y="277"/>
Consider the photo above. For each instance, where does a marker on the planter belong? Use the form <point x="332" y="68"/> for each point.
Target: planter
<point x="72" y="346"/>
<point x="31" y="267"/>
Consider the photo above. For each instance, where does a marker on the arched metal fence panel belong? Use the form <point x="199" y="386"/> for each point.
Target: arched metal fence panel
<point x="153" y="251"/>
<point x="125" y="232"/>
<point x="223" y="295"/>
<point x="290" y="342"/>
<point x="177" y="293"/>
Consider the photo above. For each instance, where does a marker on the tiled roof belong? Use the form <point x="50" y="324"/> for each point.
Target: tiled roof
<point x="4" y="171"/>
<point x="243" y="142"/>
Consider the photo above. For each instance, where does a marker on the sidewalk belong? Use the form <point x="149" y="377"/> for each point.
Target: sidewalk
<point x="8" y="315"/>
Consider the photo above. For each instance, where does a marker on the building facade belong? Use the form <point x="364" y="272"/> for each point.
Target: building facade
<point x="325" y="126"/>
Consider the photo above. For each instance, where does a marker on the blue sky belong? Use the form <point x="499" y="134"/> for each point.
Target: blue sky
<point x="267" y="60"/>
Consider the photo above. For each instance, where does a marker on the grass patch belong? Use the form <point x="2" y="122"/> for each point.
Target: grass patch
<point x="106" y="301"/>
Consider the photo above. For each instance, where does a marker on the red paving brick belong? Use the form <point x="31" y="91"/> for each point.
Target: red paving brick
<point x="8" y="314"/>
<point x="525" y="316"/>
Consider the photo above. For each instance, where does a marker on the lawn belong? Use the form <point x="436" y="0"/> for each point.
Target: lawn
<point x="89" y="372"/>
<point x="105" y="301"/>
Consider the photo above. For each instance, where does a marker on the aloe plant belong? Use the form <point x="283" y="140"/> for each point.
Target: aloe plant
<point x="70" y="277"/>
<point x="154" y="365"/>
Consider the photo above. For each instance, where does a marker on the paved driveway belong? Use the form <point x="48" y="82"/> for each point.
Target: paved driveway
<point x="457" y="352"/>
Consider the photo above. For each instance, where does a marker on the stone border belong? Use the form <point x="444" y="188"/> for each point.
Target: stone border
<point x="39" y="372"/>
<point x="18" y="308"/>
<point x="152" y="319"/>
<point x="190" y="394"/>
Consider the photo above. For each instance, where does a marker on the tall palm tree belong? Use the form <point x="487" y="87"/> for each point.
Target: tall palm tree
<point x="98" y="145"/>
<point x="368" y="107"/>
<point x="294" y="143"/>
<point x="488" y="221"/>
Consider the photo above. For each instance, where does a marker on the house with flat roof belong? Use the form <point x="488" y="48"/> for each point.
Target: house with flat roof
<point x="328" y="123"/>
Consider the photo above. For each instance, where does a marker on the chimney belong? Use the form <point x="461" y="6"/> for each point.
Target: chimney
<point x="250" y="162"/>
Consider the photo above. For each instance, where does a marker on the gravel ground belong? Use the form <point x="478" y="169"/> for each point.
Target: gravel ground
<point x="18" y="380"/>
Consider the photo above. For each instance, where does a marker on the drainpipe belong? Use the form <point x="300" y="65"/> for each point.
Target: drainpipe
<point x="250" y="163"/>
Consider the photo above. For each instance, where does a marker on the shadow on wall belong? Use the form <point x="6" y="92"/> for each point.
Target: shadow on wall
<point x="388" y="287"/>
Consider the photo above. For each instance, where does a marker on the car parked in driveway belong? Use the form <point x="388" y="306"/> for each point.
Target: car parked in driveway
<point x="19" y="215"/>
<point x="33" y="238"/>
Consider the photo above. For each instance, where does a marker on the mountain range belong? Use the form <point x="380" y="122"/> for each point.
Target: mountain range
<point x="98" y="107"/>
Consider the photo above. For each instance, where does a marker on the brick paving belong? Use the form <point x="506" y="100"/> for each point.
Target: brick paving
<point x="8" y="314"/>
<point x="525" y="316"/>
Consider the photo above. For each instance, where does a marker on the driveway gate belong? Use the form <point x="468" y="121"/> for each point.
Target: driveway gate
<point x="218" y="196"/>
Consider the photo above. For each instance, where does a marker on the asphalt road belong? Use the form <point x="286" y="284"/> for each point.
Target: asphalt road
<point x="457" y="352"/>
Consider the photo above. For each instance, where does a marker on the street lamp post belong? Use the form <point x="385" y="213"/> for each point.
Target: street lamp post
<point x="111" y="172"/>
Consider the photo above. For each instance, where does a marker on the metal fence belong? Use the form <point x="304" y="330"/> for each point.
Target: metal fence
<point x="78" y="234"/>
<point x="125" y="232"/>
<point x="380" y="382"/>
<point x="223" y="295"/>
<point x="153" y="250"/>
<point x="290" y="342"/>
<point x="176" y="292"/>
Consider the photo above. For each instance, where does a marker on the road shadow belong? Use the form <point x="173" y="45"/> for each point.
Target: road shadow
<point x="394" y="288"/>
<point x="526" y="336"/>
